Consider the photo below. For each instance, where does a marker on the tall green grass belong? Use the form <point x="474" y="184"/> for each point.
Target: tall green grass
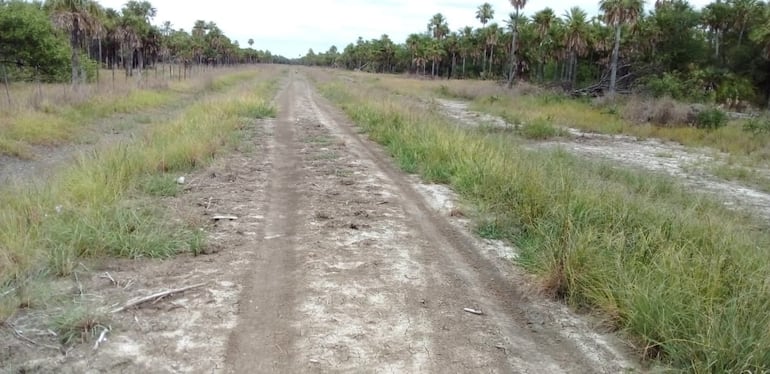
<point x="96" y="207"/>
<point x="684" y="277"/>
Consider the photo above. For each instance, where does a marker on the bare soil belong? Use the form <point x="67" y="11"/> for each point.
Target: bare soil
<point x="338" y="262"/>
<point x="689" y="166"/>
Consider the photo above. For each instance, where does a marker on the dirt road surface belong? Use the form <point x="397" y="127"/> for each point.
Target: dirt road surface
<point x="338" y="262"/>
<point x="356" y="271"/>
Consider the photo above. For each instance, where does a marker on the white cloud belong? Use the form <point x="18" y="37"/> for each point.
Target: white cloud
<point x="290" y="27"/>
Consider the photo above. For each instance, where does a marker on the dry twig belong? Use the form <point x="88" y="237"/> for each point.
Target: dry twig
<point x="21" y="336"/>
<point x="155" y="296"/>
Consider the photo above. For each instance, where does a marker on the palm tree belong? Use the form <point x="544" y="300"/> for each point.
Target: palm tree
<point x="715" y="17"/>
<point x="518" y="5"/>
<point x="466" y="44"/>
<point x="761" y="36"/>
<point x="136" y="30"/>
<point x="484" y="14"/>
<point x="492" y="38"/>
<point x="543" y="19"/>
<point x="616" y="14"/>
<point x="743" y="10"/>
<point x="575" y="39"/>
<point x="452" y="46"/>
<point x="79" y="18"/>
<point x="439" y="29"/>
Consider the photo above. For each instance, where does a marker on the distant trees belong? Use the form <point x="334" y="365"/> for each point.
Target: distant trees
<point x="35" y="35"/>
<point x="719" y="53"/>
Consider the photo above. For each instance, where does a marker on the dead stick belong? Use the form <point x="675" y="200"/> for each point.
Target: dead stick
<point x="21" y="336"/>
<point x="473" y="311"/>
<point x="107" y="275"/>
<point x="145" y="299"/>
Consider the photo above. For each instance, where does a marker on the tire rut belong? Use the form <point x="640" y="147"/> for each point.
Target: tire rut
<point x="264" y="334"/>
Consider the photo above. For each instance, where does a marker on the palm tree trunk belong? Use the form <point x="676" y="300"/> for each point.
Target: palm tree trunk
<point x="491" y="58"/>
<point x="512" y="74"/>
<point x="99" y="65"/>
<point x="573" y="76"/>
<point x="614" y="63"/>
<point x="454" y="62"/>
<point x="7" y="89"/>
<point x="484" y="61"/>
<point x="463" y="66"/>
<point x="140" y="61"/>
<point x="75" y="43"/>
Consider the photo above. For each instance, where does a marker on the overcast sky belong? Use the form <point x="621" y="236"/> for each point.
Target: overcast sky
<point x="290" y="27"/>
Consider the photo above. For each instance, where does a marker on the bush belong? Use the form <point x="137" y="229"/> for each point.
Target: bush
<point x="711" y="118"/>
<point x="666" y="85"/>
<point x="757" y="126"/>
<point x="664" y="111"/>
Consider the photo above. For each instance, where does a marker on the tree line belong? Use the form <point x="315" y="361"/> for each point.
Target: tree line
<point x="59" y="40"/>
<point x="719" y="53"/>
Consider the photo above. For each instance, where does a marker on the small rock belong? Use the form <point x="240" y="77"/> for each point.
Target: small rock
<point x="180" y="180"/>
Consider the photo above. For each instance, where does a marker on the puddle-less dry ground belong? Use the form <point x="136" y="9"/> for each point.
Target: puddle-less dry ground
<point x="690" y="166"/>
<point x="338" y="262"/>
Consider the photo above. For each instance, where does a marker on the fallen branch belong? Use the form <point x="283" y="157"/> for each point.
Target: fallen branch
<point x="21" y="336"/>
<point x="155" y="296"/>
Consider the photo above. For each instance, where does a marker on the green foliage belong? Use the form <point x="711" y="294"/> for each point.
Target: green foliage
<point x="733" y="89"/>
<point x="757" y="126"/>
<point x="540" y="129"/>
<point x="711" y="118"/>
<point x="668" y="85"/>
<point x="163" y="185"/>
<point x="29" y="46"/>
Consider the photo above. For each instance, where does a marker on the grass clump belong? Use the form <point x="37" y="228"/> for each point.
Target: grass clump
<point x="79" y="325"/>
<point x="682" y="275"/>
<point x="540" y="129"/>
<point x="161" y="185"/>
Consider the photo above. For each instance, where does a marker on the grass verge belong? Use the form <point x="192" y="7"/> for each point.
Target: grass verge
<point x="50" y="124"/>
<point x="99" y="206"/>
<point x="684" y="277"/>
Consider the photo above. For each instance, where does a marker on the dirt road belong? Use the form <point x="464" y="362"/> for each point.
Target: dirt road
<point x="355" y="271"/>
<point x="338" y="262"/>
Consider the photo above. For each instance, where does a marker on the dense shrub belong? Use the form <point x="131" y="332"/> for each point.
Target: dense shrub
<point x="710" y="118"/>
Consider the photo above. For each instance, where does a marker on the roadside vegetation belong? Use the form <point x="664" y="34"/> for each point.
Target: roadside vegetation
<point x="103" y="204"/>
<point x="54" y="114"/>
<point x="684" y="277"/>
